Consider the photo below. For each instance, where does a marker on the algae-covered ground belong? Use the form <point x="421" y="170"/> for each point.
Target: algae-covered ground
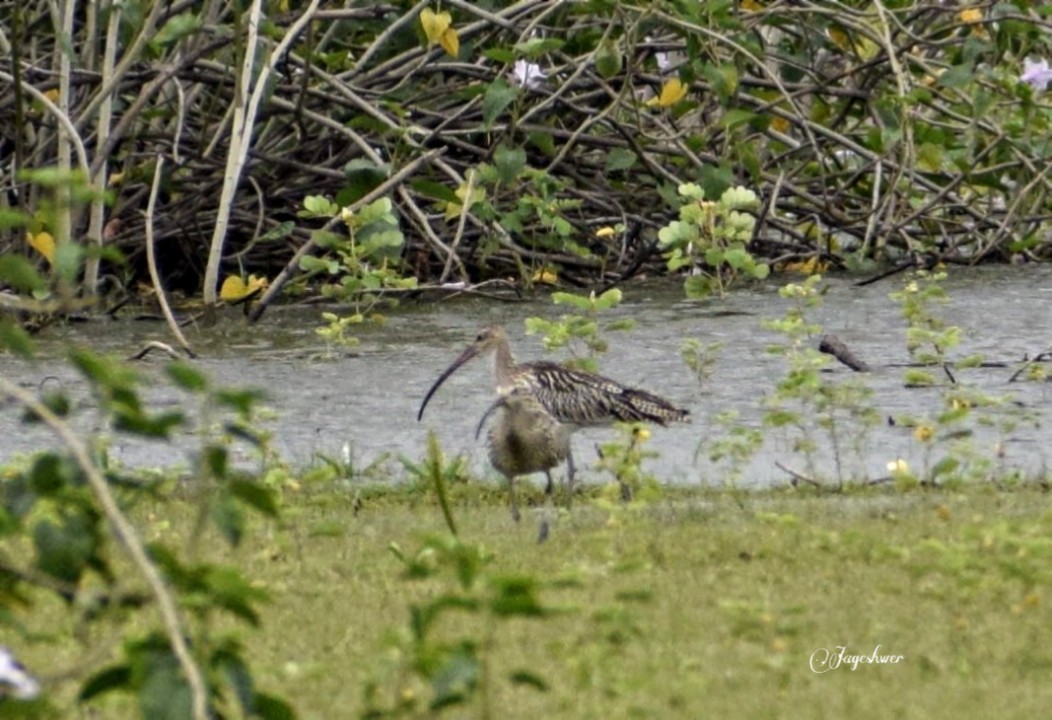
<point x="694" y="604"/>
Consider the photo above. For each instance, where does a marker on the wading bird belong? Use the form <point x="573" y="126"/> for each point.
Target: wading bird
<point x="526" y="439"/>
<point x="572" y="398"/>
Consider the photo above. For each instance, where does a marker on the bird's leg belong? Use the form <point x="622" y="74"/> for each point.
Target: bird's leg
<point x="514" y="502"/>
<point x="569" y="479"/>
<point x="542" y="531"/>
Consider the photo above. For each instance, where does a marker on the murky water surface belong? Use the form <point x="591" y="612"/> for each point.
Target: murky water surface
<point x="368" y="400"/>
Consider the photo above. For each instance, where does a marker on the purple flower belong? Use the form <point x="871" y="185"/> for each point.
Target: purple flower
<point x="1037" y="73"/>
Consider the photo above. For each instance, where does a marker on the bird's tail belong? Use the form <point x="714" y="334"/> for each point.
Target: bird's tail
<point x="640" y="406"/>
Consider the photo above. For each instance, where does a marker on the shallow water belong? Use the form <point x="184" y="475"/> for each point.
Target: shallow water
<point x="368" y="400"/>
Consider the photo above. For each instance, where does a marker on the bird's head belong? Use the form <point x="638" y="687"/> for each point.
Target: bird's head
<point x="488" y="340"/>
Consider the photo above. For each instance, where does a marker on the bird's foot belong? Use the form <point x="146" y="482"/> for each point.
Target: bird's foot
<point x="542" y="531"/>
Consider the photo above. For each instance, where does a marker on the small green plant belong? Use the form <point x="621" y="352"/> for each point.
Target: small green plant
<point x="700" y="357"/>
<point x="530" y="204"/>
<point x="432" y="672"/>
<point x="928" y="338"/>
<point x="362" y="264"/>
<point x="805" y="400"/>
<point x="335" y="332"/>
<point x="710" y="240"/>
<point x="623" y="458"/>
<point x="732" y="450"/>
<point x="947" y="437"/>
<point x="580" y="330"/>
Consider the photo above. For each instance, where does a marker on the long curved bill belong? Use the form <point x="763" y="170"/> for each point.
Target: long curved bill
<point x="465" y="356"/>
<point x="489" y="411"/>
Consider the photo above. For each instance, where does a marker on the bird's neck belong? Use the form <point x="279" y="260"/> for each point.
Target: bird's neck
<point x="504" y="366"/>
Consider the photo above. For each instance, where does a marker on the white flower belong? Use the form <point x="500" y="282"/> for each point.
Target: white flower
<point x="14" y="678"/>
<point x="527" y="74"/>
<point x="1037" y="73"/>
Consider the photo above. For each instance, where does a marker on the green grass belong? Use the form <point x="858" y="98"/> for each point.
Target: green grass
<point x="699" y="605"/>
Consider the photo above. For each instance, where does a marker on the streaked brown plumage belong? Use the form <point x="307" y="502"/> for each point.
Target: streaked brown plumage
<point x="572" y="397"/>
<point x="526" y="439"/>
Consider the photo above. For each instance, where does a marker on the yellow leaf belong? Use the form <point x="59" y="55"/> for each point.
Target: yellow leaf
<point x="780" y="124"/>
<point x="116" y="179"/>
<point x="923" y="433"/>
<point x="234" y="288"/>
<point x="434" y="24"/>
<point x="52" y="95"/>
<point x="477" y="195"/>
<point x="806" y="267"/>
<point x="605" y="232"/>
<point x="971" y="15"/>
<point x="450" y="41"/>
<point x="257" y="283"/>
<point x="545" y="276"/>
<point x="839" y="38"/>
<point x="43" y="243"/>
<point x="751" y="6"/>
<point x="671" y="93"/>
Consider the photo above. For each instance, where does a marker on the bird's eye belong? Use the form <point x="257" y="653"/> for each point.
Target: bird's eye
<point x="481" y="336"/>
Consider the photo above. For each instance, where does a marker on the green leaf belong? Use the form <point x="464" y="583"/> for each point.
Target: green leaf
<point x="228" y="519"/>
<point x="620" y="159"/>
<point x="279" y="231"/>
<point x="509" y="162"/>
<point x="311" y="264"/>
<point x="608" y="299"/>
<point x="15" y="339"/>
<point x="515" y="596"/>
<point x="115" y="677"/>
<point x="530" y="678"/>
<point x="239" y="400"/>
<point x="64" y="548"/>
<point x="498" y="96"/>
<point x="456" y="679"/>
<point x="20" y="274"/>
<point x="545" y="142"/>
<point x="696" y="287"/>
<point x="318" y="206"/>
<point x="736" y="117"/>
<point x="50" y="473"/>
<point x="944" y="467"/>
<point x="164" y="693"/>
<point x="232" y="592"/>
<point x="269" y="707"/>
<point x="134" y="420"/>
<point x="564" y="298"/>
<point x="537" y="47"/>
<point x="256" y="496"/>
<point x="10" y="219"/>
<point x="958" y="76"/>
<point x="187" y="377"/>
<point x="216" y="461"/>
<point x="434" y="190"/>
<point x="501" y="55"/>
<point x="608" y="58"/>
<point x="177" y="28"/>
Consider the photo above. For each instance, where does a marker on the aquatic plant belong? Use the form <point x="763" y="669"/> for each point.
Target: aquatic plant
<point x="807" y="401"/>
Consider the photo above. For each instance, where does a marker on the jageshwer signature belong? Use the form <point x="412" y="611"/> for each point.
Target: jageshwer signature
<point x="823" y="659"/>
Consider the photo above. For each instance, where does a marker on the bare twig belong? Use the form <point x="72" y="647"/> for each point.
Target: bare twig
<point x="151" y="261"/>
